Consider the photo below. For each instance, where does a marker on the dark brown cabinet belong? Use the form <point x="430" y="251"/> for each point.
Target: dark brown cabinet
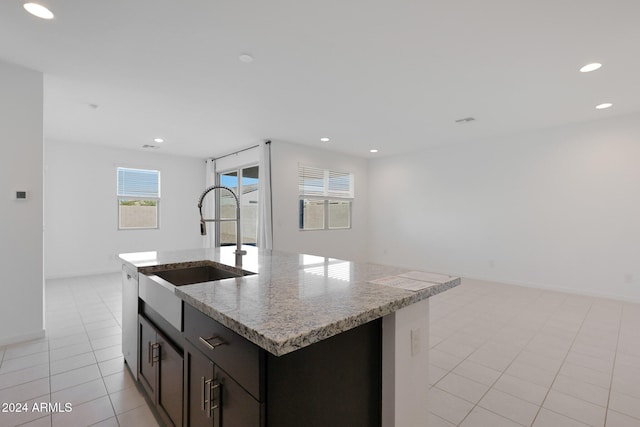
<point x="160" y="371"/>
<point x="223" y="373"/>
<point x="214" y="398"/>
<point x="231" y="382"/>
<point x="209" y="376"/>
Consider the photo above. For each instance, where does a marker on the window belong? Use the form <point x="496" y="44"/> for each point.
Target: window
<point x="138" y="198"/>
<point x="245" y="179"/>
<point x="325" y="198"/>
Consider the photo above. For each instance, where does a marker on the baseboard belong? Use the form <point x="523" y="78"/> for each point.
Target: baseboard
<point x="80" y="274"/>
<point x="15" y="339"/>
<point x="550" y="288"/>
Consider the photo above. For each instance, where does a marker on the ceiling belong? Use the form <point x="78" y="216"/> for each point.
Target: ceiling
<point x="391" y="75"/>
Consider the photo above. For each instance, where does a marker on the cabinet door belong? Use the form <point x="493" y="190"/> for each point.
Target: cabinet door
<point x="147" y="351"/>
<point x="199" y="377"/>
<point x="237" y="408"/>
<point x="169" y="387"/>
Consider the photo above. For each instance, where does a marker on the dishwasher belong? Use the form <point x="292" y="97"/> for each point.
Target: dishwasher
<point x="130" y="319"/>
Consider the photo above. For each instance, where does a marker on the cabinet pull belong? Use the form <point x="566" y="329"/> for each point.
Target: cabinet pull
<point x="206" y="395"/>
<point x="211" y="346"/>
<point x="152" y="356"/>
<point x="216" y="405"/>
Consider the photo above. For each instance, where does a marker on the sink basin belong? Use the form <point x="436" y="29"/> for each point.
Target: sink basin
<point x="198" y="274"/>
<point x="160" y="296"/>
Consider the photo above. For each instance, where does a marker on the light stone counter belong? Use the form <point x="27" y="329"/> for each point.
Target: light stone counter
<point x="293" y="300"/>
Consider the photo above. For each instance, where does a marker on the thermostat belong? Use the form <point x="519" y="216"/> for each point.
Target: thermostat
<point x="21" y="195"/>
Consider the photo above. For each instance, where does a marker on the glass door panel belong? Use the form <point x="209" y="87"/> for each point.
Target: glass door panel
<point x="249" y="205"/>
<point x="246" y="180"/>
<point x="227" y="209"/>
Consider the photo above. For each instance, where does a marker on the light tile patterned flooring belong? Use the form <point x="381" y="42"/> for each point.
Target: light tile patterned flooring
<point x="504" y="355"/>
<point x="500" y="356"/>
<point x="79" y="361"/>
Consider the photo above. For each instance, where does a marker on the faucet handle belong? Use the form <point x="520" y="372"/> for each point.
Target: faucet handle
<point x="203" y="228"/>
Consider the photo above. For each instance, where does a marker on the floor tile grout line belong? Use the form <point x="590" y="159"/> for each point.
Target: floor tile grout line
<point x="93" y="350"/>
<point x="100" y="370"/>
<point x="25" y="367"/>
<point x="558" y="373"/>
<point x="503" y="373"/>
<point x="613" y="368"/>
<point x="560" y="367"/>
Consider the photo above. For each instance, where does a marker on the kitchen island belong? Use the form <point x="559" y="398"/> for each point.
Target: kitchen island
<point x="301" y="315"/>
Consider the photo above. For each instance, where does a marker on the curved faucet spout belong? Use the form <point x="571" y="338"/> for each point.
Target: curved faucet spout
<point x="203" y="220"/>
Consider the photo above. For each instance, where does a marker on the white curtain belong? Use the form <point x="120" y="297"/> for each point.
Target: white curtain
<point x="265" y="223"/>
<point x="209" y="206"/>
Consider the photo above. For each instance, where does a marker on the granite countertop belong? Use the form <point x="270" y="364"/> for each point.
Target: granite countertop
<point x="293" y="300"/>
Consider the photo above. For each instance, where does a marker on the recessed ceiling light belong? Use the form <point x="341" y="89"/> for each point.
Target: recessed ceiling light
<point x="590" y="67"/>
<point x="325" y="139"/>
<point x="38" y="10"/>
<point x="604" y="106"/>
<point x="373" y="151"/>
<point x="158" y="140"/>
<point x="245" y="57"/>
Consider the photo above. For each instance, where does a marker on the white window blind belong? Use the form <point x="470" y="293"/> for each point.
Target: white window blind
<point x="318" y="182"/>
<point x="138" y="183"/>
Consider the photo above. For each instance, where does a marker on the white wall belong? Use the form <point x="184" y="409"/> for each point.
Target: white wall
<point x="345" y="244"/>
<point x="81" y="211"/>
<point x="557" y="208"/>
<point x="21" y="151"/>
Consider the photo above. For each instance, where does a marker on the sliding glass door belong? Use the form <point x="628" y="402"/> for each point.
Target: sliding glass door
<point x="243" y="182"/>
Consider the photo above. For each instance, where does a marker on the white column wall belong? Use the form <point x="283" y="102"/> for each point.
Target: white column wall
<point x="21" y="241"/>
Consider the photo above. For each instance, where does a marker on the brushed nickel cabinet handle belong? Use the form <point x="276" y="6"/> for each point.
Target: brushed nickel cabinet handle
<point x="206" y="395"/>
<point x="212" y="346"/>
<point x="216" y="386"/>
<point x="152" y="356"/>
<point x="207" y="398"/>
<point x="202" y="388"/>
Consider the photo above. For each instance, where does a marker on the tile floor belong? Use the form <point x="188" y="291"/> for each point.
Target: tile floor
<point x="504" y="355"/>
<point x="500" y="355"/>
<point x="79" y="361"/>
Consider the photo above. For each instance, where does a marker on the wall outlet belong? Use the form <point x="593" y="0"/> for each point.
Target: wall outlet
<point x="415" y="342"/>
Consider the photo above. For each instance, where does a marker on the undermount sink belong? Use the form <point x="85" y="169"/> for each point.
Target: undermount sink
<point x="156" y="288"/>
<point x="198" y="274"/>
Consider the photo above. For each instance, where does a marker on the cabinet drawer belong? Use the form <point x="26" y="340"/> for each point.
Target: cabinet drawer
<point x="237" y="356"/>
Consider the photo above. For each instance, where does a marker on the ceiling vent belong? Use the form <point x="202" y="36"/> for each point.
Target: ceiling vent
<point x="465" y="120"/>
<point x="150" y="147"/>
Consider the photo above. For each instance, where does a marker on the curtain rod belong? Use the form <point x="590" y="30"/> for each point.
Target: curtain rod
<point x="237" y="152"/>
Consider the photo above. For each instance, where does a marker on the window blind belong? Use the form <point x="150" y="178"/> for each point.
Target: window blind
<point x="138" y="183"/>
<point x="318" y="182"/>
